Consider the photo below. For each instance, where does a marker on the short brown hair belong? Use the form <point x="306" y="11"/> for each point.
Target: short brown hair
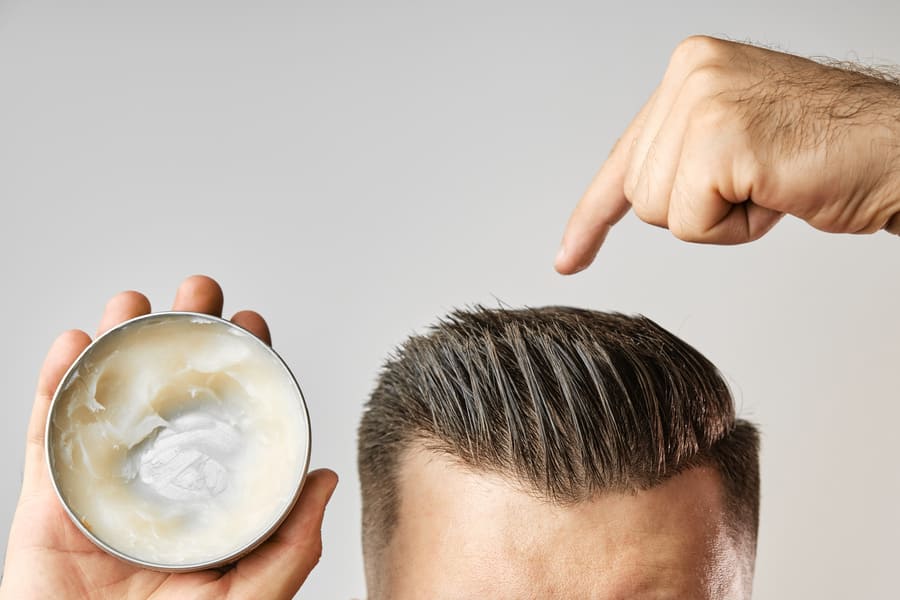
<point x="568" y="402"/>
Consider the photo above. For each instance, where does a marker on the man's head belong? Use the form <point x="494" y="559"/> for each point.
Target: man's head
<point x="555" y="452"/>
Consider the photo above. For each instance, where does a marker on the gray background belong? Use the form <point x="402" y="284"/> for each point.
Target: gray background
<point x="353" y="170"/>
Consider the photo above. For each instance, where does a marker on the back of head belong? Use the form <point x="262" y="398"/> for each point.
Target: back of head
<point x="567" y="403"/>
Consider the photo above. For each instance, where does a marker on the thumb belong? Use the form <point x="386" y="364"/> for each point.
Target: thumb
<point x="63" y="352"/>
<point x="282" y="563"/>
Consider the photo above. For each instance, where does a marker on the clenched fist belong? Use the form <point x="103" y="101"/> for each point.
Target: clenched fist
<point x="737" y="136"/>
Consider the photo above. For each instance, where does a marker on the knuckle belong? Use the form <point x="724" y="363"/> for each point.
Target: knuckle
<point x="682" y="220"/>
<point x="633" y="173"/>
<point x="650" y="207"/>
<point x="642" y="211"/>
<point x="712" y="117"/>
<point x="682" y="229"/>
<point x="315" y="552"/>
<point x="641" y="202"/>
<point x="697" y="50"/>
<point x="705" y="81"/>
<point x="630" y="184"/>
<point x="646" y="191"/>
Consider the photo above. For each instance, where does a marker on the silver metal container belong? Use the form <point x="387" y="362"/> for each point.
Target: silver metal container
<point x="85" y="436"/>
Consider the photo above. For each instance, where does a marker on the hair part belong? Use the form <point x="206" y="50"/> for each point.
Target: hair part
<point x="567" y="402"/>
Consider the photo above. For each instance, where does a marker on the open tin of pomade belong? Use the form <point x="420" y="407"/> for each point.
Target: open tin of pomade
<point x="178" y="441"/>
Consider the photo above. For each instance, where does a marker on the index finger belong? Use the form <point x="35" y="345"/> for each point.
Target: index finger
<point x="602" y="205"/>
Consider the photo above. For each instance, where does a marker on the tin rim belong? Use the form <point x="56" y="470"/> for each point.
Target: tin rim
<point x="231" y="556"/>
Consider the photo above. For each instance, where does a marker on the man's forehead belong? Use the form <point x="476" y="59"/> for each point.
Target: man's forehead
<point x="462" y="533"/>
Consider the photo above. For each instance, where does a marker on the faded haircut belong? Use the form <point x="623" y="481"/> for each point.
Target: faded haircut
<point x="567" y="403"/>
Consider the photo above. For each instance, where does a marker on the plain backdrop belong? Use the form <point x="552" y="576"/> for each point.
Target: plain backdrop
<point x="353" y="170"/>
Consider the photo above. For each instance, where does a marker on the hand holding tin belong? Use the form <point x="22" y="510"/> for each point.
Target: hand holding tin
<point x="49" y="557"/>
<point x="735" y="137"/>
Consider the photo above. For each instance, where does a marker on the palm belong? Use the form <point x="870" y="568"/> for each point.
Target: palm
<point x="48" y="557"/>
<point x="46" y="541"/>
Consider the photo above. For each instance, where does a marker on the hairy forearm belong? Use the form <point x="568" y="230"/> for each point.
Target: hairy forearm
<point x="857" y="121"/>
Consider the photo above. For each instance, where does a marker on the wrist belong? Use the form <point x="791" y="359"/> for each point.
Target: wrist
<point x="892" y="170"/>
<point x="885" y="144"/>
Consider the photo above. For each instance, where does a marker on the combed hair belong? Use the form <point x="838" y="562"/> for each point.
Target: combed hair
<point x="566" y="402"/>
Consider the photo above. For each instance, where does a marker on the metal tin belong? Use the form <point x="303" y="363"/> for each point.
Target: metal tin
<point x="220" y="561"/>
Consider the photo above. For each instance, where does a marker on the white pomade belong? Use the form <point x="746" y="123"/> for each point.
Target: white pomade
<point x="178" y="439"/>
